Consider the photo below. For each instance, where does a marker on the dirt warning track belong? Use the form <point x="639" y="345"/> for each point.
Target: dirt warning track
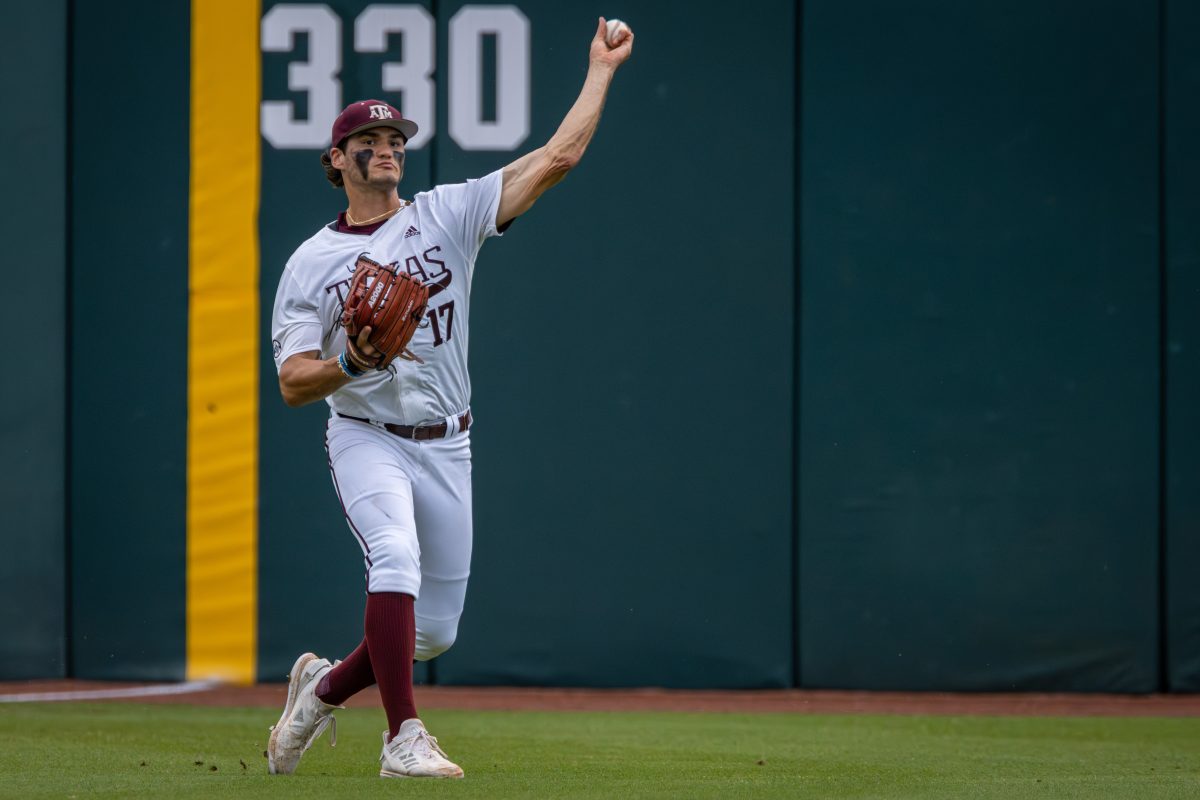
<point x="547" y="699"/>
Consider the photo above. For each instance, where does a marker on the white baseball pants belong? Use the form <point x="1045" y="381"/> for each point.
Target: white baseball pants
<point x="408" y="504"/>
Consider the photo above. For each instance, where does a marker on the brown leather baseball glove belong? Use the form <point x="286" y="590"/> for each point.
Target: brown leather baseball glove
<point x="391" y="302"/>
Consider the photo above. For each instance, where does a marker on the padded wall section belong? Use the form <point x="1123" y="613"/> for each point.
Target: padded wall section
<point x="128" y="405"/>
<point x="32" y="408"/>
<point x="1183" y="344"/>
<point x="631" y="356"/>
<point x="979" y="367"/>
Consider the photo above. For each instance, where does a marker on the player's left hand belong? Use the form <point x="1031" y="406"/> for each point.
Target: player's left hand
<point x="612" y="57"/>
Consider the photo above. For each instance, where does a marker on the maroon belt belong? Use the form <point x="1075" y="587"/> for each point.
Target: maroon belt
<point x="420" y="433"/>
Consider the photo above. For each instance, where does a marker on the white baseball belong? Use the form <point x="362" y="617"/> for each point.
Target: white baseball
<point x="612" y="34"/>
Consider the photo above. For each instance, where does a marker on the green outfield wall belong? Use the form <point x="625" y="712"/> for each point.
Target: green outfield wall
<point x="33" y="580"/>
<point x="128" y="294"/>
<point x="1181" y="355"/>
<point x="624" y="537"/>
<point x="858" y="352"/>
<point x="979" y="374"/>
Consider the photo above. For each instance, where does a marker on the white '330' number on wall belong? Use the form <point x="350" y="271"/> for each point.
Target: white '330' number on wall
<point x="411" y="78"/>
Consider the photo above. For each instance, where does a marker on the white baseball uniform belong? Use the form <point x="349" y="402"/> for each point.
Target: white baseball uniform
<point x="408" y="502"/>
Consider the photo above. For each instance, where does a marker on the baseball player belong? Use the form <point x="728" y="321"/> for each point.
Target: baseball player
<point x="398" y="438"/>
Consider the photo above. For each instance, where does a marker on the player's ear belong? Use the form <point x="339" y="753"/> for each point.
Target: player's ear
<point x="337" y="158"/>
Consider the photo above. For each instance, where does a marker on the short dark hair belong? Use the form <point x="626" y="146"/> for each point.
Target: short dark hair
<point x="332" y="175"/>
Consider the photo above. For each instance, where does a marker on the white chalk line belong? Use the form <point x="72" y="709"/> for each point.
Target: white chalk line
<point x="188" y="687"/>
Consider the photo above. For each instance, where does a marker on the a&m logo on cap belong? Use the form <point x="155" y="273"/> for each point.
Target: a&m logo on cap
<point x="381" y="112"/>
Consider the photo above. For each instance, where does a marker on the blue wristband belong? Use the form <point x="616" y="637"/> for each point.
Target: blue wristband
<point x="349" y="371"/>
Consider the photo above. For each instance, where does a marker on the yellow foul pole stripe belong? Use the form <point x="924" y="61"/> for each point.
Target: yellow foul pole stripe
<point x="223" y="343"/>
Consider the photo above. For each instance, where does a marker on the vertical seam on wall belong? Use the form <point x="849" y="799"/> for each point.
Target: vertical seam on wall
<point x="68" y="650"/>
<point x="797" y="98"/>
<point x="431" y="665"/>
<point x="1164" y="672"/>
<point x="223" y="350"/>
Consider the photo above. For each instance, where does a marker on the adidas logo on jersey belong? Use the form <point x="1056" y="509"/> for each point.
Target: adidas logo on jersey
<point x="411" y="232"/>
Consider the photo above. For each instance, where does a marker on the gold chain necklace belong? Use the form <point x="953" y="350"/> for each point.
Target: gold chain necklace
<point x="350" y="219"/>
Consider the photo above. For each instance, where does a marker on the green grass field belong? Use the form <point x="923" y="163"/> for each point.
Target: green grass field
<point x="129" y="750"/>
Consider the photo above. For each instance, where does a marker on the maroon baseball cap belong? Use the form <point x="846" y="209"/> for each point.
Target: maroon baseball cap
<point x="367" y="114"/>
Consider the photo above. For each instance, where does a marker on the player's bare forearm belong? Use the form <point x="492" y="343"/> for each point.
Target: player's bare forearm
<point x="527" y="178"/>
<point x="531" y="175"/>
<point x="569" y="142"/>
<point x="305" y="379"/>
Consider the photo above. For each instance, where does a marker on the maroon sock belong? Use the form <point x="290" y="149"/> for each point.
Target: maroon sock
<point x="348" y="678"/>
<point x="392" y="642"/>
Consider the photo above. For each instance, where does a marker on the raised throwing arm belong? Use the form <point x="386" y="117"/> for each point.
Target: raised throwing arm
<point x="526" y="178"/>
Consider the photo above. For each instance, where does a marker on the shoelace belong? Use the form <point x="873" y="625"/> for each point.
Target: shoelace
<point x="327" y="721"/>
<point x="433" y="743"/>
<point x="422" y="736"/>
<point x="430" y="741"/>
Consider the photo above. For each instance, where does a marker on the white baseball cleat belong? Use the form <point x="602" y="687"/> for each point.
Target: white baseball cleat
<point x="413" y="753"/>
<point x="304" y="717"/>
